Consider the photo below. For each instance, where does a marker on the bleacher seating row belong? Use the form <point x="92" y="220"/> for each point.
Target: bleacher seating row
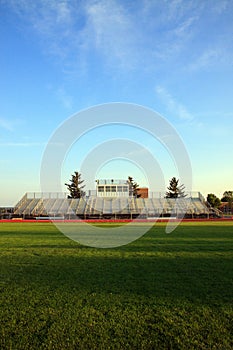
<point x="99" y="207"/>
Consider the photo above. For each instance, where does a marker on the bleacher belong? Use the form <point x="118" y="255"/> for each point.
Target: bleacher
<point x="57" y="205"/>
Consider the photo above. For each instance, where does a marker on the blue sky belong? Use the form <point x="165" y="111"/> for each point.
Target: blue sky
<point x="60" y="57"/>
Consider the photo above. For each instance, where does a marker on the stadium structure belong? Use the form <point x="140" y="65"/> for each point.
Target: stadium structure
<point x="112" y="200"/>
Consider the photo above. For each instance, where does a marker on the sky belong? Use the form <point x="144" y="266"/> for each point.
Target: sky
<point x="60" y="57"/>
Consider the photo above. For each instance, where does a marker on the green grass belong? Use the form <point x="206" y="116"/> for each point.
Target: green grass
<point x="163" y="291"/>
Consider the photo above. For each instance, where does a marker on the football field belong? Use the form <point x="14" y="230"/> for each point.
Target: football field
<point x="162" y="291"/>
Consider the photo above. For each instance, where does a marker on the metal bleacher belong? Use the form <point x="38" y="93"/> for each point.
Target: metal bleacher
<point x="98" y="206"/>
<point x="116" y="206"/>
<point x="57" y="205"/>
<point x="124" y="206"/>
<point x="107" y="207"/>
<point x="81" y="206"/>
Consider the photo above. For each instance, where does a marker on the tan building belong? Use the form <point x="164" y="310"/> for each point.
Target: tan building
<point x="112" y="188"/>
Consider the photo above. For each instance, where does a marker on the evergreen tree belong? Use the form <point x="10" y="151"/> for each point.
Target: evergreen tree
<point x="133" y="186"/>
<point x="174" y="190"/>
<point x="75" y="188"/>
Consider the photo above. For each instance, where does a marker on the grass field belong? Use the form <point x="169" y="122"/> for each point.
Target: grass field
<point x="160" y="292"/>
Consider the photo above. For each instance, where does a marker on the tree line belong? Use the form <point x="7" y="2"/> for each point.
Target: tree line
<point x="216" y="202"/>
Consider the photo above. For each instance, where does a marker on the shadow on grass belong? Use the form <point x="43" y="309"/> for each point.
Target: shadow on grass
<point x="160" y="292"/>
<point x="197" y="280"/>
<point x="155" y="267"/>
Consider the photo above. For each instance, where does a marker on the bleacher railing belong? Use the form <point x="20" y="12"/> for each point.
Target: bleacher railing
<point x="188" y="194"/>
<point x="93" y="193"/>
<point x="46" y="195"/>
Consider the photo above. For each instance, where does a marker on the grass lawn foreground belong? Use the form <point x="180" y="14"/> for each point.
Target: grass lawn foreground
<point x="163" y="291"/>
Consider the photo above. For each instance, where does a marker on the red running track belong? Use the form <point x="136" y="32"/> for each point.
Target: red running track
<point x="115" y="221"/>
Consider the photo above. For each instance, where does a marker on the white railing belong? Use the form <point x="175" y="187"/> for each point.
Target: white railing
<point x="46" y="195"/>
<point x="188" y="194"/>
<point x="93" y="193"/>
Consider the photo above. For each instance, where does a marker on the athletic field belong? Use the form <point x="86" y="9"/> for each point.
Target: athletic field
<point x="163" y="291"/>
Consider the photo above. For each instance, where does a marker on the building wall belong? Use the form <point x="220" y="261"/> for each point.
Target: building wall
<point x="143" y="192"/>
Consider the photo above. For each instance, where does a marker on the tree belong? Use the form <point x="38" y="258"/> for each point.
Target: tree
<point x="227" y="196"/>
<point x="75" y="188"/>
<point x="133" y="186"/>
<point x="175" y="191"/>
<point x="213" y="200"/>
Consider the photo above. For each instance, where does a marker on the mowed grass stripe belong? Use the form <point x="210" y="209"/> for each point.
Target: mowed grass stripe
<point x="164" y="291"/>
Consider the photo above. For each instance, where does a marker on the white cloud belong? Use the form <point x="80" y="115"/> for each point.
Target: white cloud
<point x="9" y="124"/>
<point x="113" y="32"/>
<point x="143" y="36"/>
<point x="122" y="35"/>
<point x="221" y="6"/>
<point x="22" y="144"/>
<point x="184" y="26"/>
<point x="51" y="20"/>
<point x="209" y="58"/>
<point x="172" y="105"/>
<point x="66" y="100"/>
<point x="6" y="124"/>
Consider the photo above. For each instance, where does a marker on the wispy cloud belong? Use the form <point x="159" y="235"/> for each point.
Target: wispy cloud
<point x="114" y="32"/>
<point x="65" y="99"/>
<point x="172" y="105"/>
<point x="119" y="33"/>
<point x="9" y="124"/>
<point x="51" y="20"/>
<point x="6" y="124"/>
<point x="206" y="59"/>
<point x="144" y="35"/>
<point x="211" y="57"/>
<point x="221" y="6"/>
<point x="22" y="144"/>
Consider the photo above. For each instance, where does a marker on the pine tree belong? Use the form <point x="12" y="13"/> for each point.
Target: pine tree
<point x="175" y="191"/>
<point x="133" y="186"/>
<point x="75" y="188"/>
